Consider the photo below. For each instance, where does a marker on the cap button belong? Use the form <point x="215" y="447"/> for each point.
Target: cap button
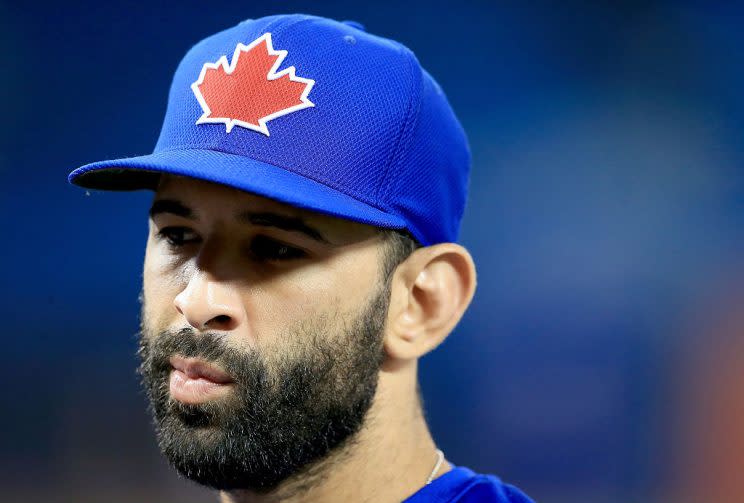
<point x="355" y="24"/>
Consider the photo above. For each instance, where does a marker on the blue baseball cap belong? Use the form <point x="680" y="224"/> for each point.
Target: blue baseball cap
<point x="314" y="113"/>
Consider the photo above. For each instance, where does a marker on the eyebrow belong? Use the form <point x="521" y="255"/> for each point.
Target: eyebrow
<point x="283" y="222"/>
<point x="171" y="206"/>
<point x="262" y="219"/>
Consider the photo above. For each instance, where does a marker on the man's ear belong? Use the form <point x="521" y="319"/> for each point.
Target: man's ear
<point x="429" y="293"/>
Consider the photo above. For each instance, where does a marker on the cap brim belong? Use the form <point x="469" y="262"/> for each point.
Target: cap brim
<point x="142" y="172"/>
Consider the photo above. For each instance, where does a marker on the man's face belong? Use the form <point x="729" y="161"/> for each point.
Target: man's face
<point x="288" y="306"/>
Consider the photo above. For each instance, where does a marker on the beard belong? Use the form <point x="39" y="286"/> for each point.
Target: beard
<point x="285" y="411"/>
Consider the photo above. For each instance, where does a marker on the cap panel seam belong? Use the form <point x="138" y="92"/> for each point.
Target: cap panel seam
<point x="271" y="25"/>
<point x="385" y="181"/>
<point x="407" y="133"/>
<point x="280" y="27"/>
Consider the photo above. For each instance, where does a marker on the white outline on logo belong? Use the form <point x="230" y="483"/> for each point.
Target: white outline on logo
<point x="272" y="75"/>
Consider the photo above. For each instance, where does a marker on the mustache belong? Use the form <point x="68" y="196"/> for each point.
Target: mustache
<point x="155" y="352"/>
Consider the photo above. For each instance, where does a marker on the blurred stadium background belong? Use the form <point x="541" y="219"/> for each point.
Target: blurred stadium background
<point x="603" y="358"/>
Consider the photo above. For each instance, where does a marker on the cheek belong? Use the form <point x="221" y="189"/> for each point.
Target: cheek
<point x="338" y="285"/>
<point x="160" y="287"/>
<point x="275" y="307"/>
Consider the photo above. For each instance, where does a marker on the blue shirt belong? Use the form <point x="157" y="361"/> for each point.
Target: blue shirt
<point x="463" y="485"/>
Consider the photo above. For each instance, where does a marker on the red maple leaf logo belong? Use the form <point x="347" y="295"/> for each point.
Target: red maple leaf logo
<point x="249" y="92"/>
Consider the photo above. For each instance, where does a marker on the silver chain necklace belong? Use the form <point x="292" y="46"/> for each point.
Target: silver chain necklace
<point x="440" y="459"/>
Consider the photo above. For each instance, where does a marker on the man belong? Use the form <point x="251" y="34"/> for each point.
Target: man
<point x="309" y="183"/>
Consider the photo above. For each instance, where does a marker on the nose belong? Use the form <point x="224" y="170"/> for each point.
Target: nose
<point x="210" y="304"/>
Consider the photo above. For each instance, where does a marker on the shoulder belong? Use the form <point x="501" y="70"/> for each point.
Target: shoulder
<point x="462" y="485"/>
<point x="489" y="488"/>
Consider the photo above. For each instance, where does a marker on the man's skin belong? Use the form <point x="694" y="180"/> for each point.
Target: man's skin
<point x="214" y="281"/>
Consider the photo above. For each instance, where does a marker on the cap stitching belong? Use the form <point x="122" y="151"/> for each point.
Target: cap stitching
<point x="303" y="18"/>
<point x="384" y="179"/>
<point x="417" y="92"/>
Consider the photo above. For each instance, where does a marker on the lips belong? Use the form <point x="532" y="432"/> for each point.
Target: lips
<point x="195" y="381"/>
<point x="198" y="369"/>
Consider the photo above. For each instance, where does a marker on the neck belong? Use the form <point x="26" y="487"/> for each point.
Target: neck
<point x="394" y="440"/>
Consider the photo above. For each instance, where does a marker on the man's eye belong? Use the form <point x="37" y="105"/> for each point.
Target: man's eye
<point x="178" y="236"/>
<point x="264" y="248"/>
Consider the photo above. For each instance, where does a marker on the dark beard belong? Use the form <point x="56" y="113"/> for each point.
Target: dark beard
<point x="285" y="411"/>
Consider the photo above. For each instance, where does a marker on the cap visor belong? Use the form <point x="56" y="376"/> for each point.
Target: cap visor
<point x="240" y="172"/>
